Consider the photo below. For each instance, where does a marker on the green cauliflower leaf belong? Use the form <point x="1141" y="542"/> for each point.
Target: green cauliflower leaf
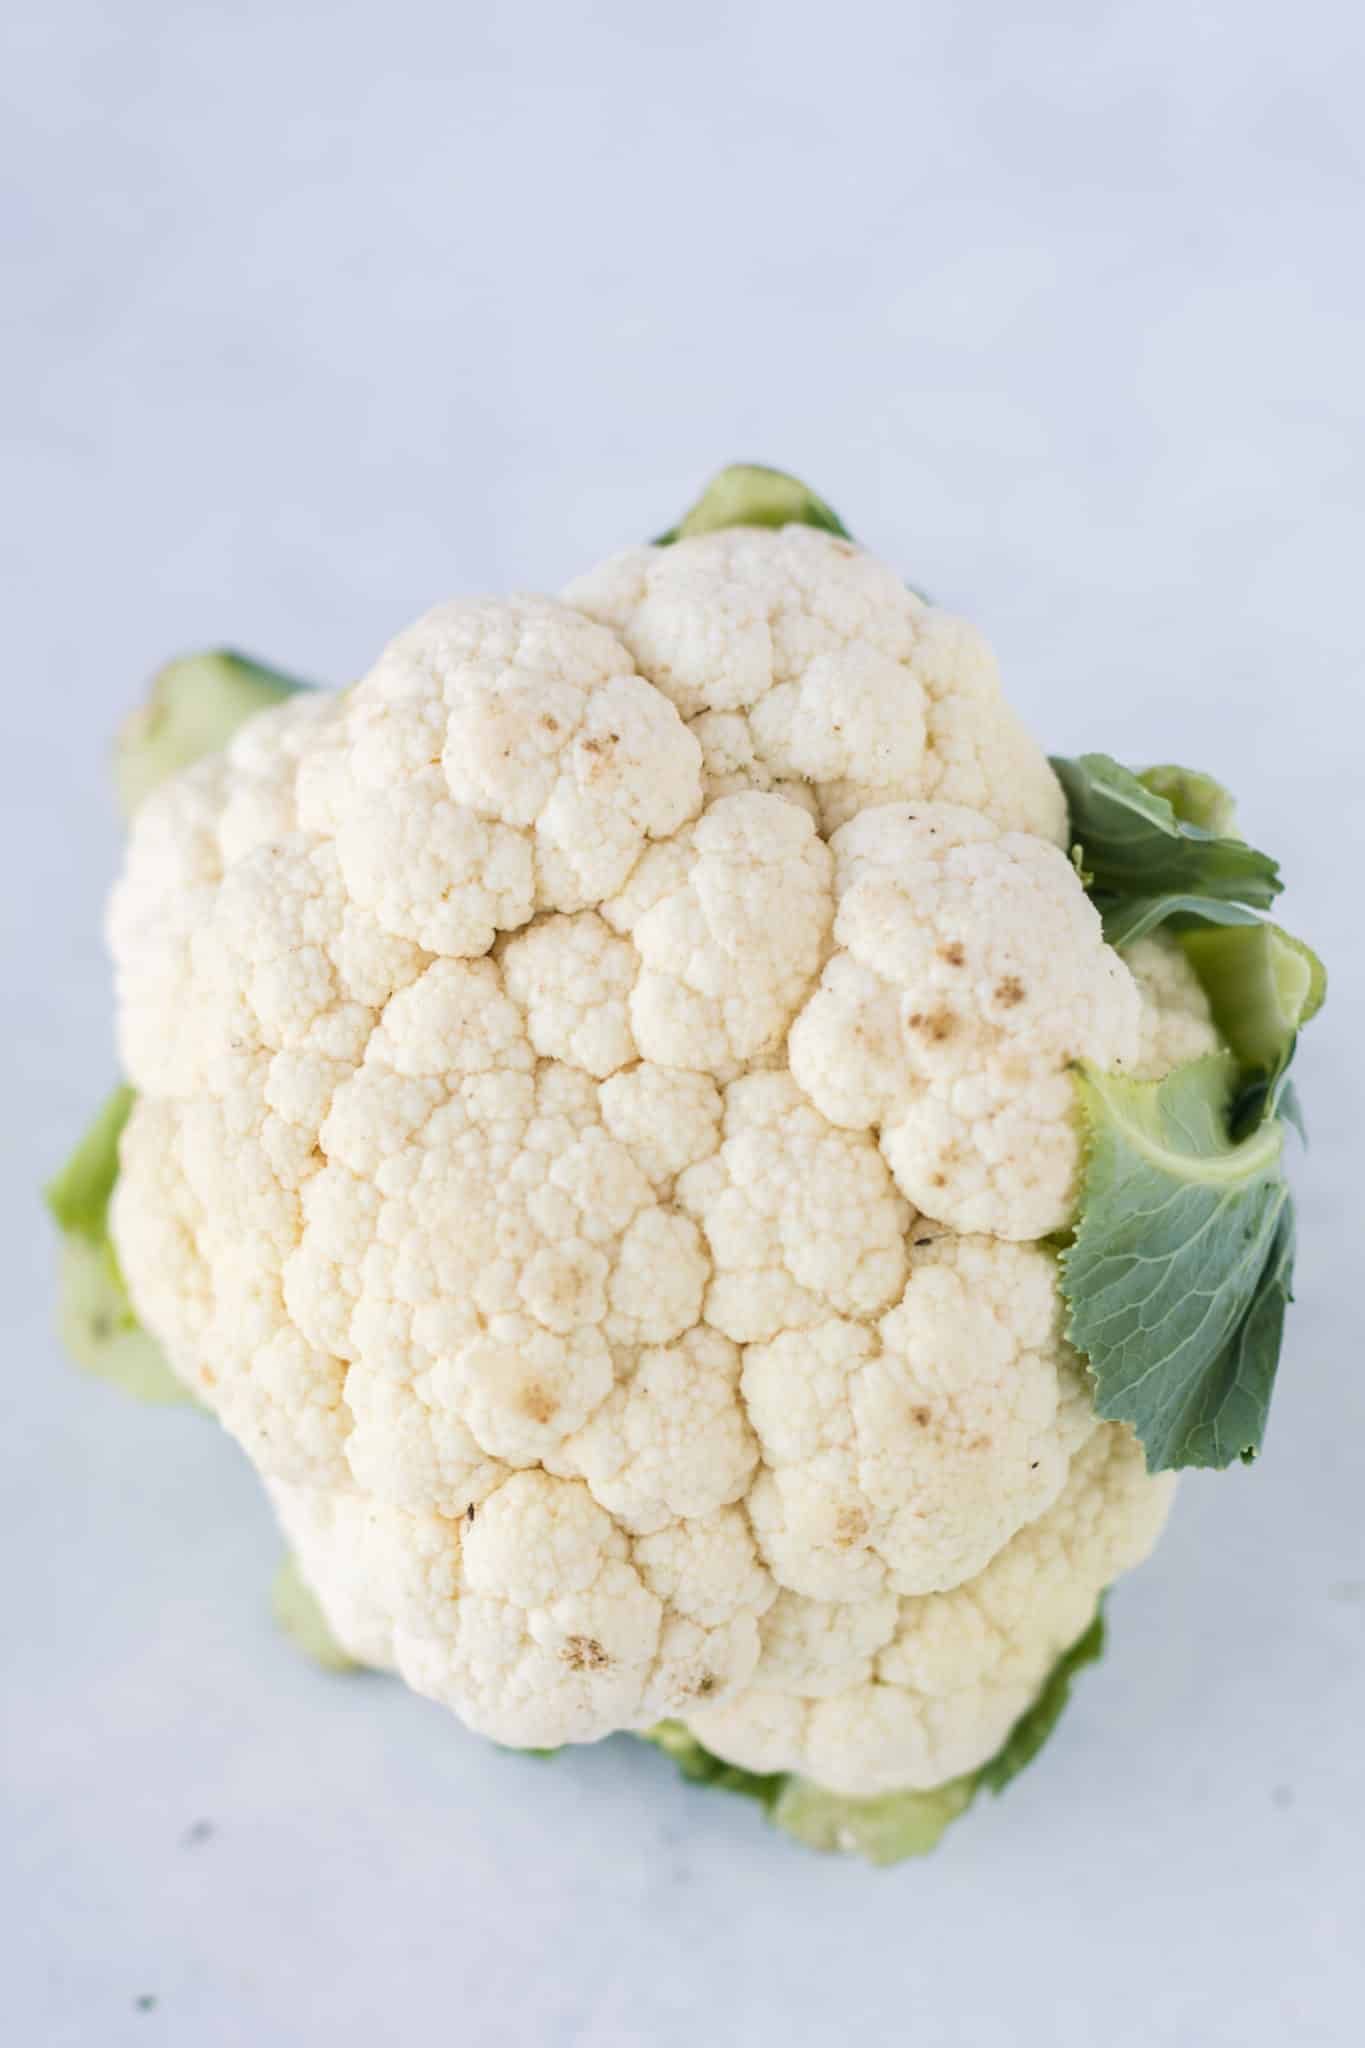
<point x="1180" y="1267"/>
<point x="1150" y="853"/>
<point x="1180" y="1262"/>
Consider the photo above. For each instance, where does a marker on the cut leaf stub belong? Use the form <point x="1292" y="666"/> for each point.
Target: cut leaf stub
<point x="94" y="1315"/>
<point x="78" y="1195"/>
<point x="99" y="1330"/>
<point x="747" y="494"/>
<point x="193" y="708"/>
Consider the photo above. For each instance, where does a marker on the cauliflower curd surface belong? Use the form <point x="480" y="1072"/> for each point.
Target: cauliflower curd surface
<point x="604" y="1084"/>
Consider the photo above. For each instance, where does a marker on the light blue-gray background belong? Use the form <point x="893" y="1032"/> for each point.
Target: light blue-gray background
<point x="314" y="314"/>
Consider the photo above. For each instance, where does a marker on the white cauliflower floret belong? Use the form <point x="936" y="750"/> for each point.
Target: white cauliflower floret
<point x="970" y="975"/>
<point x="574" y="979"/>
<point x="322" y="1526"/>
<point x="903" y="1456"/>
<point x="801" y="1219"/>
<point x="160" y="1226"/>
<point x="960" y="1666"/>
<point x="668" y="1119"/>
<point x="729" y="922"/>
<point x="502" y="757"/>
<point x="816" y="1648"/>
<point x="529" y="1620"/>
<point x="672" y="1442"/>
<point x="590" y="1077"/>
<point x="804" y="665"/>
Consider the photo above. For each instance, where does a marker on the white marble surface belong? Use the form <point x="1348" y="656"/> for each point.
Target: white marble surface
<point x="316" y="313"/>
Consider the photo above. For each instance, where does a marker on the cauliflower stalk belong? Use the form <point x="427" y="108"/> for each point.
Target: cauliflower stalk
<point x="607" y="1096"/>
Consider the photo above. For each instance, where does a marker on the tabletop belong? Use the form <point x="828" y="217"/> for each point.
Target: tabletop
<point x="317" y="314"/>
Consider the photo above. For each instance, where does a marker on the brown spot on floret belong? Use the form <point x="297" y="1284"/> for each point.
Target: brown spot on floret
<point x="850" y="1527"/>
<point x="953" y="954"/>
<point x="1010" y="991"/>
<point x="567" y="1287"/>
<point x="549" y="722"/>
<point x="595" y="753"/>
<point x="470" y="1513"/>
<point x="537" y="1402"/>
<point x="872" y="1039"/>
<point x="938" y="1180"/>
<point x="584" y="1653"/>
<point x="933" y="1024"/>
<point x="705" y="1684"/>
<point x="923" y="1416"/>
<point x="979" y="1443"/>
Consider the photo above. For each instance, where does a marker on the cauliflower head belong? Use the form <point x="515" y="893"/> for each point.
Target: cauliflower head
<point x="604" y="1090"/>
